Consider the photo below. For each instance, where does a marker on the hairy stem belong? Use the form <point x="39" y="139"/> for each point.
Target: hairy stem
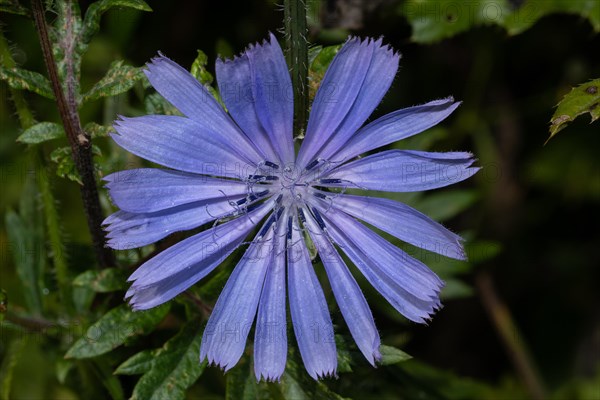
<point x="80" y="142"/>
<point x="297" y="59"/>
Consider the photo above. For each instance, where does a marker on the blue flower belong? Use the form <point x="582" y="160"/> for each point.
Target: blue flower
<point x="238" y="170"/>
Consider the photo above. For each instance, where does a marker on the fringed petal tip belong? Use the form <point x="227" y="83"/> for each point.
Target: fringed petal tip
<point x="268" y="376"/>
<point x="155" y="61"/>
<point x="212" y="361"/>
<point x="251" y="47"/>
<point x="330" y="373"/>
<point x="377" y="42"/>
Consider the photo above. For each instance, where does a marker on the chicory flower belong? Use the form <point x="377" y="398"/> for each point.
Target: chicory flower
<point x="238" y="171"/>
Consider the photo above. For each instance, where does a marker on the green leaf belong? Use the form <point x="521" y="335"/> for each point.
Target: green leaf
<point x="65" y="164"/>
<point x="344" y="355"/>
<point x="156" y="104"/>
<point x="22" y="79"/>
<point x="318" y="66"/>
<point x="115" y="328"/>
<point x="137" y="364"/>
<point x="582" y="99"/>
<point x="104" y="281"/>
<point x="199" y="69"/>
<point x="175" y="367"/>
<point x="12" y="353"/>
<point x="455" y="289"/>
<point x="391" y="355"/>
<point x="201" y="73"/>
<point x="531" y="11"/>
<point x="445" y="205"/>
<point x="91" y="22"/>
<point x="241" y="383"/>
<point x="42" y="132"/>
<point x="13" y="7"/>
<point x="103" y="372"/>
<point x="482" y="250"/>
<point x="434" y="20"/>
<point x="322" y="59"/>
<point x="98" y="131"/>
<point x="119" y="79"/>
<point x="26" y="242"/>
<point x="62" y="369"/>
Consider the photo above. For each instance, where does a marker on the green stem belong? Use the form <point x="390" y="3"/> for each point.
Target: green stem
<point x="80" y="141"/>
<point x="297" y="59"/>
<point x="54" y="235"/>
<point x="511" y="337"/>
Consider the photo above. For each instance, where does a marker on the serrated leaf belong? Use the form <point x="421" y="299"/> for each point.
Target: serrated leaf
<point x="391" y="355"/>
<point x="98" y="131"/>
<point x="91" y="22"/>
<point x="65" y="164"/>
<point x="434" y="20"/>
<point x="42" y="132"/>
<point x="137" y="364"/>
<point x="13" y="7"/>
<point x="445" y="205"/>
<point x="103" y="281"/>
<point x="119" y="79"/>
<point x="22" y="79"/>
<point x="175" y="367"/>
<point x="582" y="99"/>
<point x="199" y="70"/>
<point x="115" y="328"/>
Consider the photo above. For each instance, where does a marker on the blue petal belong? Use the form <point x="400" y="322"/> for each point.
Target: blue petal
<point x="147" y="190"/>
<point x="403" y="171"/>
<point x="184" y="91"/>
<point x="308" y="307"/>
<point x="273" y="93"/>
<point x="270" y="339"/>
<point x="407" y="284"/>
<point x="180" y="266"/>
<point x="348" y="295"/>
<point x="235" y="87"/>
<point x="336" y="95"/>
<point x="404" y="222"/>
<point x="130" y="230"/>
<point x="354" y="84"/>
<point x="180" y="143"/>
<point x="226" y="332"/>
<point x="396" y="126"/>
<point x="382" y="70"/>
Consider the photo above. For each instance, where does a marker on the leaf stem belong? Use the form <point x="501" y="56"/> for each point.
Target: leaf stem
<point x="80" y="141"/>
<point x="297" y="58"/>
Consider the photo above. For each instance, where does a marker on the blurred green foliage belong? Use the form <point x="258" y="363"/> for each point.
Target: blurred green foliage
<point x="529" y="217"/>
